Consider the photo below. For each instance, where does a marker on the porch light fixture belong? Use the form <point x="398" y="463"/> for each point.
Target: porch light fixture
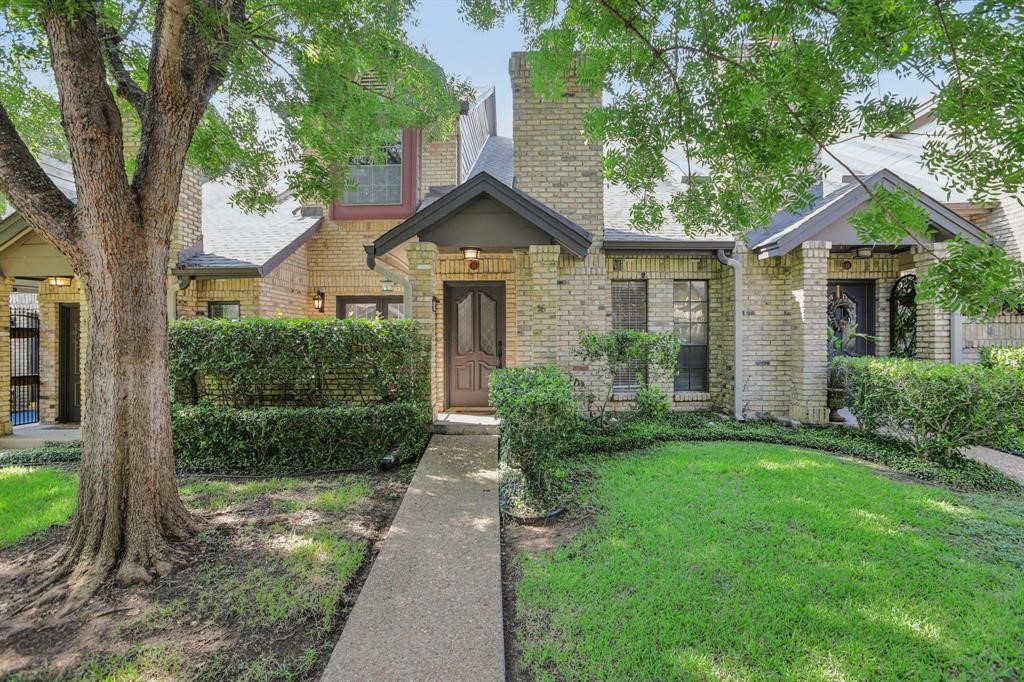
<point x="59" y="281"/>
<point x="470" y="252"/>
<point x="318" y="301"/>
<point x="386" y="284"/>
<point x="862" y="252"/>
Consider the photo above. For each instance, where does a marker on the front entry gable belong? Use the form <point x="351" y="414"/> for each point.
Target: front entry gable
<point x="828" y="218"/>
<point x="486" y="213"/>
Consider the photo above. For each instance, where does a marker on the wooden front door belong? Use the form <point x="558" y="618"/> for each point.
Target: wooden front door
<point x="69" y="380"/>
<point x="851" y="310"/>
<point x="474" y="323"/>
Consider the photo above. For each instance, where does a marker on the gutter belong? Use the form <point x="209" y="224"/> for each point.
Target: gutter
<point x="956" y="338"/>
<point x="737" y="362"/>
<point x="373" y="264"/>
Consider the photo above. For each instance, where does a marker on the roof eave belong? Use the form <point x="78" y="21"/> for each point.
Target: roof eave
<point x="667" y="247"/>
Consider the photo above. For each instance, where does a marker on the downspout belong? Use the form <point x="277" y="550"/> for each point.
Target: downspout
<point x="956" y="338"/>
<point x="371" y="261"/>
<point x="178" y="284"/>
<point x="737" y="362"/>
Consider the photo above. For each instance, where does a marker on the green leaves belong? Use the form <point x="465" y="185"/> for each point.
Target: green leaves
<point x="979" y="280"/>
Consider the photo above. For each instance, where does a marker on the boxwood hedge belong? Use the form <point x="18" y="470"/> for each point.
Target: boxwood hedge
<point x="275" y="440"/>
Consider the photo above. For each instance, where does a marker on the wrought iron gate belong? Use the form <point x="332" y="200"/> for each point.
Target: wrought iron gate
<point x="24" y="366"/>
<point x="903" y="317"/>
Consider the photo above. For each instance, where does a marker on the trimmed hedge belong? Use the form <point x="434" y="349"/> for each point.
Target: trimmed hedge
<point x="596" y="438"/>
<point x="276" y="440"/>
<point x="302" y="363"/>
<point x="1005" y="357"/>
<point x="538" y="412"/>
<point x="940" y="408"/>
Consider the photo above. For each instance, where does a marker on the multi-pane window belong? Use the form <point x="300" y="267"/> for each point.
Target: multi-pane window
<point x="376" y="181"/>
<point x="690" y="305"/>
<point x="370" y="307"/>
<point x="229" y="310"/>
<point x="629" y="311"/>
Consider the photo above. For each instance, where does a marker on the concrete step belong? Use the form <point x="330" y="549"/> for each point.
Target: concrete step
<point x="448" y="428"/>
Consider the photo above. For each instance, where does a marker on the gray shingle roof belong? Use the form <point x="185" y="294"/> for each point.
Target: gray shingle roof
<point x="495" y="159"/>
<point x="235" y="239"/>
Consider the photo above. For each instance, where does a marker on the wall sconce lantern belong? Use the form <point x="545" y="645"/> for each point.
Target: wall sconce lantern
<point x="318" y="301"/>
<point x="433" y="304"/>
<point x="59" y="281"/>
<point x="471" y="252"/>
<point x="862" y="252"/>
<point x="387" y="285"/>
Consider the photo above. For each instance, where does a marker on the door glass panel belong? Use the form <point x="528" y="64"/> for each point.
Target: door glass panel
<point x="488" y="325"/>
<point x="464" y="324"/>
<point x="396" y="311"/>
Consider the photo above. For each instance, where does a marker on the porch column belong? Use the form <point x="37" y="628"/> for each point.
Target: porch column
<point x="6" y="287"/>
<point x="422" y="274"/>
<point x="933" y="323"/>
<point x="544" y="282"/>
<point x="809" y="362"/>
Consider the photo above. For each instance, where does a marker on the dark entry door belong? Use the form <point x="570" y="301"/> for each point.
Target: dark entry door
<point x="851" y="311"/>
<point x="474" y="340"/>
<point x="69" y="380"/>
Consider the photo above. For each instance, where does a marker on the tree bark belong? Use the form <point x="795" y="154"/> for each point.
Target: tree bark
<point x="128" y="503"/>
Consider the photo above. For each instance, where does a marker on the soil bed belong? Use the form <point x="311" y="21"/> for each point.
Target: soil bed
<point x="262" y="591"/>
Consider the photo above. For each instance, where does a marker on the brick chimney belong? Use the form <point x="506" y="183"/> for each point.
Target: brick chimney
<point x="552" y="161"/>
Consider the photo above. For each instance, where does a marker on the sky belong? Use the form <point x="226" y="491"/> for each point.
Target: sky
<point x="480" y="57"/>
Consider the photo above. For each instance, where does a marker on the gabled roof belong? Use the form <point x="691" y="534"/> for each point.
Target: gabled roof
<point x="789" y="230"/>
<point x="239" y="244"/>
<point x="557" y="227"/>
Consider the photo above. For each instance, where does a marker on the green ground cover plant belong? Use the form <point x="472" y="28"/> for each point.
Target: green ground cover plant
<point x="33" y="499"/>
<point x="755" y="561"/>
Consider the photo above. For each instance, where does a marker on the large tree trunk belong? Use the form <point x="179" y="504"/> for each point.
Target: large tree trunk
<point x="128" y="504"/>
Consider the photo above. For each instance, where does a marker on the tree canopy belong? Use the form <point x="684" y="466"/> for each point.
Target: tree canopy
<point x="752" y="96"/>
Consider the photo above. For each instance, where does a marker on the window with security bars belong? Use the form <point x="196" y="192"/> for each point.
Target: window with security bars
<point x="629" y="311"/>
<point x="690" y="314"/>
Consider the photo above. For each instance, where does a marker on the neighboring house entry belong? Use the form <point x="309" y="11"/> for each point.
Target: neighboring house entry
<point x="474" y="323"/>
<point x="69" y="379"/>
<point x="24" y="366"/>
<point x="853" y="303"/>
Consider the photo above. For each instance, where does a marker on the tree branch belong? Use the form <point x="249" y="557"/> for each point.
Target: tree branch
<point x="127" y="88"/>
<point x="32" y="191"/>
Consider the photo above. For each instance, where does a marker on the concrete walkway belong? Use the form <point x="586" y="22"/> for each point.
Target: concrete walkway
<point x="431" y="607"/>
<point x="1011" y="465"/>
<point x="36" y="435"/>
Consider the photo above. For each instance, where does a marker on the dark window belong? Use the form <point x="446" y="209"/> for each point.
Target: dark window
<point x="229" y="310"/>
<point x="370" y="307"/>
<point x="690" y="315"/>
<point x="629" y="311"/>
<point x="376" y="181"/>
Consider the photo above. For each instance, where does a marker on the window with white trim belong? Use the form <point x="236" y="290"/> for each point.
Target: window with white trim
<point x="690" y="317"/>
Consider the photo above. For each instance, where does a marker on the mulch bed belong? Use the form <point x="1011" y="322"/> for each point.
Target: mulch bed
<point x="208" y="619"/>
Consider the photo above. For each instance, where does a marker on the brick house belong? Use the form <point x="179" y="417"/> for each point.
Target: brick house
<point x="505" y="251"/>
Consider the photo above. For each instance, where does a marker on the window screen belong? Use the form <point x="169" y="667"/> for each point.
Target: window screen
<point x="629" y="311"/>
<point x="690" y="304"/>
<point x="376" y="181"/>
<point x="229" y="310"/>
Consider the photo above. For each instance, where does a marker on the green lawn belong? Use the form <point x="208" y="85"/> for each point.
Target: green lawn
<point x="748" y="561"/>
<point x="32" y="500"/>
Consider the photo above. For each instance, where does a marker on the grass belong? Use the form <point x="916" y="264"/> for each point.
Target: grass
<point x="750" y="561"/>
<point x="32" y="500"/>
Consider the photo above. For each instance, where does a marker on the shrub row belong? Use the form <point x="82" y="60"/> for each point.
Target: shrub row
<point x="1006" y="357"/>
<point x="277" y="362"/>
<point x="597" y="438"/>
<point x="939" y="408"/>
<point x="274" y="440"/>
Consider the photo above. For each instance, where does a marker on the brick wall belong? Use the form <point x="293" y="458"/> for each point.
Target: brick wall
<point x="1006" y="223"/>
<point x="6" y="287"/>
<point x="1004" y="330"/>
<point x="188" y="221"/>
<point x="440" y="166"/>
<point x="336" y="260"/>
<point x="552" y="161"/>
<point x="284" y="292"/>
<point x="194" y="301"/>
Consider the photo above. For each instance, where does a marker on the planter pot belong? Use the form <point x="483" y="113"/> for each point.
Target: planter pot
<point x="835" y="403"/>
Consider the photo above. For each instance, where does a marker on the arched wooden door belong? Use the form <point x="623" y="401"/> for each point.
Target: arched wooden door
<point x="474" y="340"/>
